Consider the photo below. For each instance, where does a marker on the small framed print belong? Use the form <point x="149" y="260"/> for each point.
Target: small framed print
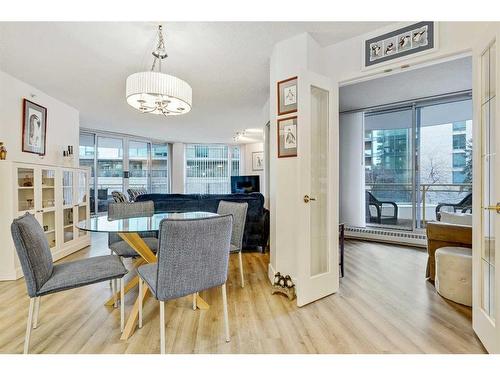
<point x="287" y="96"/>
<point x="34" y="128"/>
<point x="287" y="137"/>
<point x="258" y="161"/>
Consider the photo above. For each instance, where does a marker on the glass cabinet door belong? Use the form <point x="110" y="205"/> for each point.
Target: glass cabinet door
<point x="67" y="190"/>
<point x="25" y="189"/>
<point x="82" y="200"/>
<point x="47" y="213"/>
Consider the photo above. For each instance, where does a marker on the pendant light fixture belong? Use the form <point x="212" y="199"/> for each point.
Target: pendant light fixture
<point x="156" y="92"/>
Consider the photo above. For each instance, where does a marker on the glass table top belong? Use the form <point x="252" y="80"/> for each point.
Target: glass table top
<point x="137" y="224"/>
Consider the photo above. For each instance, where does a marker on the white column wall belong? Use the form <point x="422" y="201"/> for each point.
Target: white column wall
<point x="352" y="175"/>
<point x="178" y="168"/>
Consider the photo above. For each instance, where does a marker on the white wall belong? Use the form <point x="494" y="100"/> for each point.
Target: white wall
<point x="247" y="169"/>
<point x="342" y="61"/>
<point x="62" y="122"/>
<point x="352" y="176"/>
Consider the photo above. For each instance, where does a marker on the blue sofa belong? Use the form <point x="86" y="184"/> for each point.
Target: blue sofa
<point x="256" y="232"/>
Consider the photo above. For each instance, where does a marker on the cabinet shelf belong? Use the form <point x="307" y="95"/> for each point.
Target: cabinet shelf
<point x="49" y="231"/>
<point x="25" y="187"/>
<point x="68" y="226"/>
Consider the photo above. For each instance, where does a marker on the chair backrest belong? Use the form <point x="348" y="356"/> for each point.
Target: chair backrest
<point x="33" y="251"/>
<point x="193" y="255"/>
<point x="134" y="193"/>
<point x="126" y="210"/>
<point x="239" y="212"/>
<point x="370" y="198"/>
<point x="466" y="202"/>
<point x="119" y="197"/>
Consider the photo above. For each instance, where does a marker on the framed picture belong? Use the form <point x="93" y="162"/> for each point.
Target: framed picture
<point x="34" y="128"/>
<point x="383" y="49"/>
<point x="258" y="161"/>
<point x="287" y="96"/>
<point x="287" y="137"/>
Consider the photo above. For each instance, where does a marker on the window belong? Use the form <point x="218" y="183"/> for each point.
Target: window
<point x="459" y="126"/>
<point x="138" y="164"/>
<point x="458" y="177"/>
<point x="159" y="168"/>
<point x="209" y="168"/>
<point x="459" y="141"/>
<point x="146" y="162"/>
<point x="459" y="160"/>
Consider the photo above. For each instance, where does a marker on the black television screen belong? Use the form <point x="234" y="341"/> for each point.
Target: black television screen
<point x="245" y="184"/>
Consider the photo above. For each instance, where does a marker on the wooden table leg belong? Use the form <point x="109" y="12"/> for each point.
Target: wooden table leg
<point x="201" y="303"/>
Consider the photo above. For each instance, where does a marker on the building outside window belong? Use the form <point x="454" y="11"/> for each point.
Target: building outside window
<point x="209" y="168"/>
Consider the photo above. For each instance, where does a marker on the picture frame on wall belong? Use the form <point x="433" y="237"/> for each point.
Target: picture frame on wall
<point x="415" y="39"/>
<point x="34" y="134"/>
<point x="287" y="96"/>
<point x="287" y="137"/>
<point x="258" y="161"/>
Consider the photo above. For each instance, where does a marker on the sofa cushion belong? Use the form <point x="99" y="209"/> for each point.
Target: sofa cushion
<point x="456" y="218"/>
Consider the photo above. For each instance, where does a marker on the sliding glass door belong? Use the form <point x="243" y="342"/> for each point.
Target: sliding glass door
<point x="418" y="162"/>
<point x="445" y="158"/>
<point x="138" y="165"/>
<point x="109" y="169"/>
<point x="389" y="169"/>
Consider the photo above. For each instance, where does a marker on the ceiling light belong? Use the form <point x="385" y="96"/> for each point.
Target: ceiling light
<point x="156" y="92"/>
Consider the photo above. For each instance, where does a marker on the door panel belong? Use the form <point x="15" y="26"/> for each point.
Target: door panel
<point x="318" y="240"/>
<point x="486" y="193"/>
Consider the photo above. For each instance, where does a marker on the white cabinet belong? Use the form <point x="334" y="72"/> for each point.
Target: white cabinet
<point x="57" y="196"/>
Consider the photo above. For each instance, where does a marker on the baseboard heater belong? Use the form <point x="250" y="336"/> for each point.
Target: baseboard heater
<point x="385" y="235"/>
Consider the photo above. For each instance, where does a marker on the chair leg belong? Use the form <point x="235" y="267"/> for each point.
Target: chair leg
<point x="37" y="309"/>
<point x="28" y="326"/>
<point x="241" y="270"/>
<point x="122" y="303"/>
<point x="114" y="290"/>
<point x="226" y="317"/>
<point x="194" y="301"/>
<point x="140" y="302"/>
<point x="162" y="327"/>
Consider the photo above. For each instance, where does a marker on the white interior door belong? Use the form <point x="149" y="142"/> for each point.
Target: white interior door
<point x="486" y="204"/>
<point x="318" y="266"/>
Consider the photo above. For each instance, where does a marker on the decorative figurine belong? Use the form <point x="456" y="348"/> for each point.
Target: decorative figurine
<point x="283" y="285"/>
<point x="27" y="182"/>
<point x="3" y="152"/>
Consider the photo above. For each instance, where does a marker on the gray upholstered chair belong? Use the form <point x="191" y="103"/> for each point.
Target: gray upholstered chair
<point x="42" y="277"/>
<point x="125" y="210"/>
<point x="239" y="212"/>
<point x="193" y="256"/>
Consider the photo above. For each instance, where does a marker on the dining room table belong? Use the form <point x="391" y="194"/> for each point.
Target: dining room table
<point x="129" y="229"/>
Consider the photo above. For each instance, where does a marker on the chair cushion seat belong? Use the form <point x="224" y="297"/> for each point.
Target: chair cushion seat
<point x="123" y="249"/>
<point x="88" y="271"/>
<point x="148" y="273"/>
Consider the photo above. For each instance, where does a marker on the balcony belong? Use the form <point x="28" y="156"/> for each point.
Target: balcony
<point x="413" y="214"/>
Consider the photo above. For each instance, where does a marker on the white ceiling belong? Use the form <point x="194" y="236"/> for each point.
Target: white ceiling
<point x="437" y="79"/>
<point x="227" y="64"/>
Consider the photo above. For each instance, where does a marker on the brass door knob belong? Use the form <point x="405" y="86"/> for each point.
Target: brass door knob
<point x="307" y="199"/>
<point x="494" y="208"/>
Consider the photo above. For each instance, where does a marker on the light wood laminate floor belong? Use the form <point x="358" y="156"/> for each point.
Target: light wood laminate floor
<point x="384" y="306"/>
